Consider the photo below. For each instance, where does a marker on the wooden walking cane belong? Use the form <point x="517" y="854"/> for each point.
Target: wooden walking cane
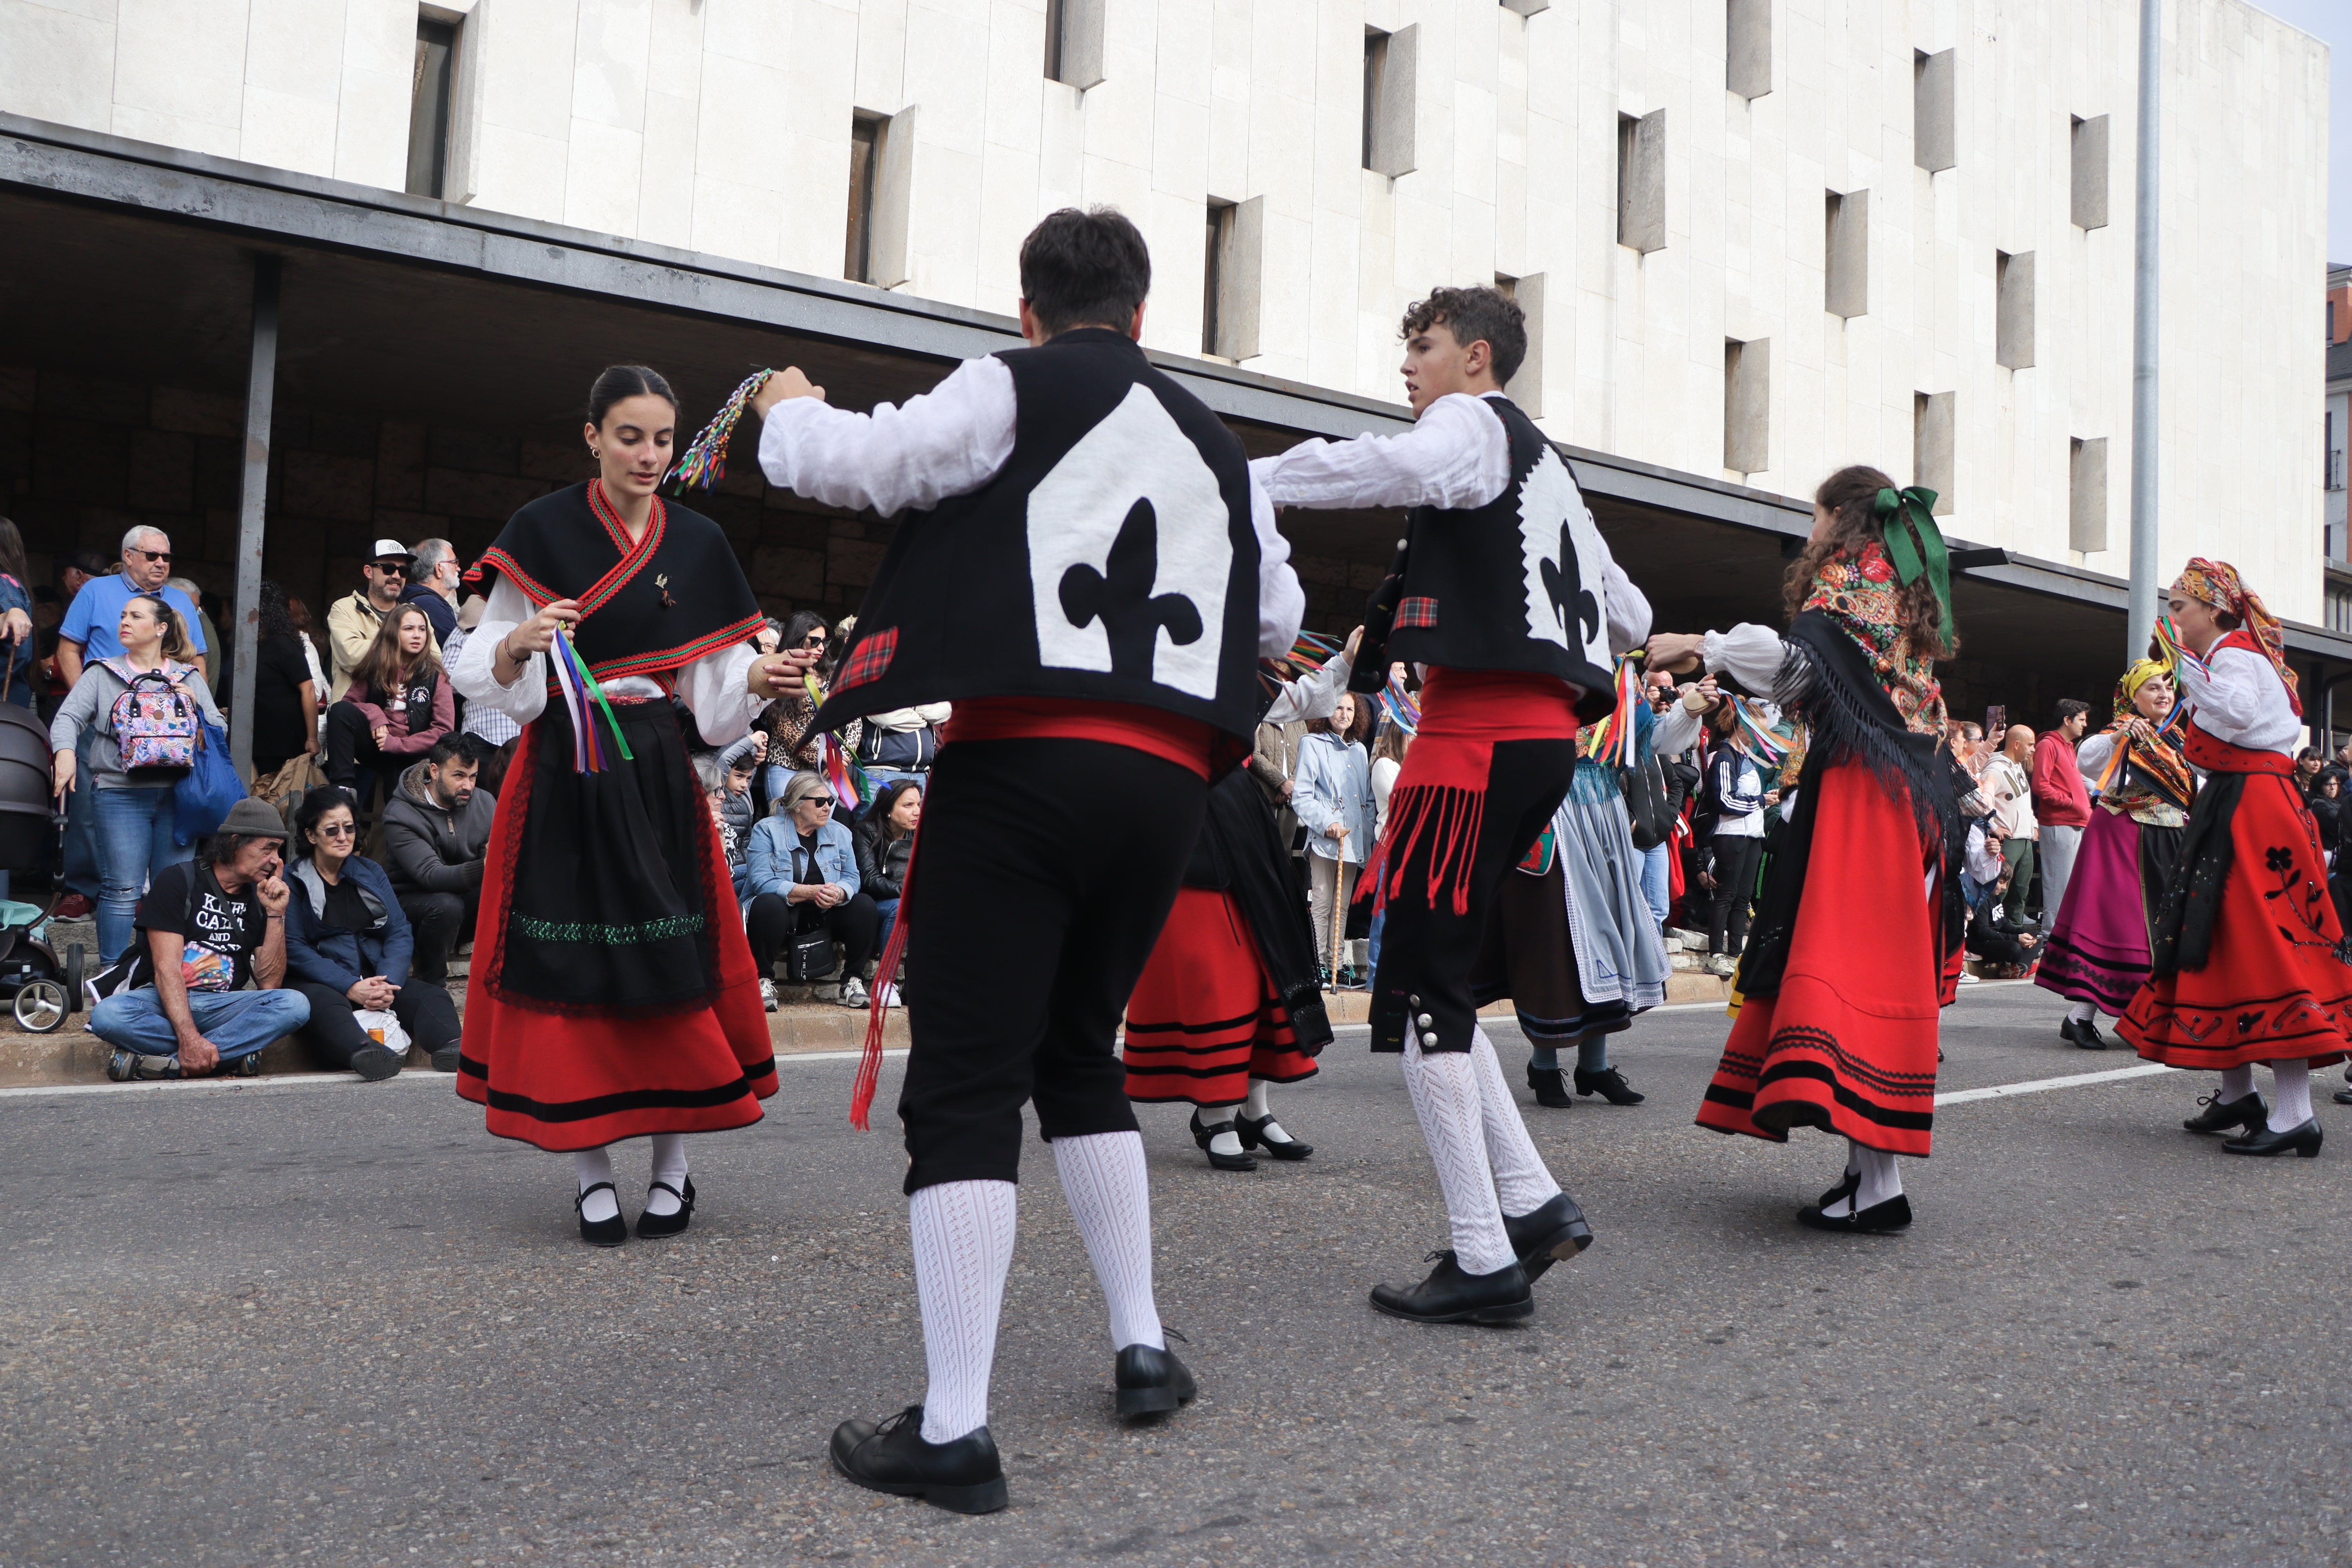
<point x="1339" y="907"/>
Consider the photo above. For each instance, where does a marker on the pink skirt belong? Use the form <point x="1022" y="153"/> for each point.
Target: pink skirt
<point x="2097" y="951"/>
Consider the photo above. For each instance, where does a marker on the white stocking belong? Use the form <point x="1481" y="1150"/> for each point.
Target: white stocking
<point x="1523" y="1182"/>
<point x="2292" y="1079"/>
<point x="1881" y="1179"/>
<point x="963" y="1246"/>
<point x="670" y="1166"/>
<point x="2082" y="1012"/>
<point x="1260" y="1103"/>
<point x="1229" y="1141"/>
<point x="1443" y="1087"/>
<point x="2237" y="1083"/>
<point x="1110" y="1197"/>
<point x="592" y="1166"/>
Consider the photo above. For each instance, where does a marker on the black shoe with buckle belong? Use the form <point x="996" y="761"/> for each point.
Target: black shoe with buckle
<point x="1450" y="1296"/>
<point x="650" y="1224"/>
<point x="2247" y="1111"/>
<point x="1205" y="1133"/>
<point x="1151" y="1382"/>
<point x="1252" y="1135"/>
<point x="1552" y="1234"/>
<point x="965" y="1475"/>
<point x="600" y="1232"/>
<point x="1610" y="1085"/>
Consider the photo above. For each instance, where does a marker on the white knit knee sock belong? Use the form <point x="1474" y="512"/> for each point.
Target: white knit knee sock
<point x="962" y="1233"/>
<point x="2082" y="1012"/>
<point x="2237" y="1083"/>
<point x="1260" y="1103"/>
<point x="2291" y="1107"/>
<point x="1443" y="1087"/>
<point x="670" y="1166"/>
<point x="1110" y="1197"/>
<point x="1522" y="1180"/>
<point x="590" y="1166"/>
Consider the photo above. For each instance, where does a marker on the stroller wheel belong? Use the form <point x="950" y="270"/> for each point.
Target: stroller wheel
<point x="42" y="1006"/>
<point x="74" y="977"/>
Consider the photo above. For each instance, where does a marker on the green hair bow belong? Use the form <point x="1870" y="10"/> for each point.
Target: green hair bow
<point x="1928" y="554"/>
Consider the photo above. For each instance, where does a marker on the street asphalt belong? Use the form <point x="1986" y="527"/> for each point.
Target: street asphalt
<point x="338" y="1324"/>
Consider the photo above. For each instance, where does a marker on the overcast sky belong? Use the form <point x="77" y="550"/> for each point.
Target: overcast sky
<point x="2331" y="21"/>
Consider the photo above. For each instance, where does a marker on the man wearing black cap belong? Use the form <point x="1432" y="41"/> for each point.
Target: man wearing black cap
<point x="175" y="1005"/>
<point x="352" y="620"/>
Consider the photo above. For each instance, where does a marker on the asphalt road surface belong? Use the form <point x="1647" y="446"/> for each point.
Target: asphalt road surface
<point x="339" y="1324"/>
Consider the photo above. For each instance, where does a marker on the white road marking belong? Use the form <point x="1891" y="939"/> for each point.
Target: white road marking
<point x="2035" y="1086"/>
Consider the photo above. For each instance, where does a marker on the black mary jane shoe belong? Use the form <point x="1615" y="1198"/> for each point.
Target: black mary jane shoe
<point x="1150" y="1381"/>
<point x="1878" y="1219"/>
<point x="2344" y="1097"/>
<point x="1849" y="1185"/>
<point x="600" y="1232"/>
<point x="1610" y="1085"/>
<point x="1552" y="1234"/>
<point x="1450" y="1296"/>
<point x="1204" y="1134"/>
<point x="962" y="1477"/>
<point x="2247" y="1111"/>
<point x="1550" y="1085"/>
<point x="650" y="1224"/>
<point x="1253" y="1136"/>
<point x="2302" y="1140"/>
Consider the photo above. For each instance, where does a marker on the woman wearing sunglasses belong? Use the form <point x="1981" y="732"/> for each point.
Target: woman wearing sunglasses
<point x="805" y="876"/>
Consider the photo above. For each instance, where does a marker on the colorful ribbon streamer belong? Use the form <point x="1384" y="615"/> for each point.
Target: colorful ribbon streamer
<point x="704" y="462"/>
<point x="583" y="696"/>
<point x="1616" y="739"/>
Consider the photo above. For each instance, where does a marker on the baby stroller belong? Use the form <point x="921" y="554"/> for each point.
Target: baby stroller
<point x="45" y="992"/>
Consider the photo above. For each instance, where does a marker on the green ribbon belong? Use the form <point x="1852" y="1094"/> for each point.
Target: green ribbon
<point x="1928" y="556"/>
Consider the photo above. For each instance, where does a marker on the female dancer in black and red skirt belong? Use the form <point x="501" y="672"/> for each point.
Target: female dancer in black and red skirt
<point x="613" y="993"/>
<point x="1846" y="971"/>
<point x="2246" y="955"/>
<point x="2097" y="954"/>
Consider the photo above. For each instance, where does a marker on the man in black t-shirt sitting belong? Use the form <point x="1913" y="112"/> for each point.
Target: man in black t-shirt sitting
<point x="175" y="1005"/>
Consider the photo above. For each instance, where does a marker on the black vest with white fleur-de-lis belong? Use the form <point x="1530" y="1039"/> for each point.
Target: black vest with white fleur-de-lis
<point x="1112" y="559"/>
<point x="1512" y="584"/>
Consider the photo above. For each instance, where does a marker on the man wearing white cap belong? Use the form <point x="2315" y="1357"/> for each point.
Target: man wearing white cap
<point x="352" y="621"/>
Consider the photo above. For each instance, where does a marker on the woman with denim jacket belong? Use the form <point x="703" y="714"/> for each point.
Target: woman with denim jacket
<point x="804" y="875"/>
<point x="1333" y="798"/>
<point x="348" y="946"/>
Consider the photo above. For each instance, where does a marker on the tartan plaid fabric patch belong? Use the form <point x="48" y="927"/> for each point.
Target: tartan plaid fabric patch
<point x="1419" y="613"/>
<point x="868" y="660"/>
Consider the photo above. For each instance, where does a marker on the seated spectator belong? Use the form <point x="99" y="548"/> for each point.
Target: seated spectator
<point x="397" y="705"/>
<point x="434" y="577"/>
<point x="886" y="841"/>
<point x="803" y="876"/>
<point x="737" y="763"/>
<point x="177" y="1006"/>
<point x="735" y="845"/>
<point x="348" y="945"/>
<point x="1998" y="936"/>
<point x="792" y="744"/>
<point x="436" y="830"/>
<point x="353" y="622"/>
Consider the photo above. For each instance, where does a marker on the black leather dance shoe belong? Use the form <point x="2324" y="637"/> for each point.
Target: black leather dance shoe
<point x="1203" y="1133"/>
<point x="2300" y="1141"/>
<point x="963" y="1476"/>
<point x="1846" y="1188"/>
<point x="1552" y="1234"/>
<point x="2247" y="1111"/>
<point x="2082" y="1034"/>
<point x="650" y="1224"/>
<point x="1253" y="1136"/>
<point x="1150" y="1381"/>
<point x="600" y="1232"/>
<point x="1878" y="1219"/>
<point x="1450" y="1296"/>
<point x="1610" y="1085"/>
<point x="1550" y="1085"/>
<point x="2344" y="1097"/>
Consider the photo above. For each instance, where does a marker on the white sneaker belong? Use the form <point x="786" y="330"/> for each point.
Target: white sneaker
<point x="1968" y="979"/>
<point x="890" y="995"/>
<point x="767" y="994"/>
<point x="853" y="993"/>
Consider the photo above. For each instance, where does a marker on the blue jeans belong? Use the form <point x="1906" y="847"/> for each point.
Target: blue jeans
<point x="237" y="1022"/>
<point x="134" y="841"/>
<point x="1654" y="862"/>
<point x="1379" y="919"/>
<point x="79" y="870"/>
<point x="889" y="908"/>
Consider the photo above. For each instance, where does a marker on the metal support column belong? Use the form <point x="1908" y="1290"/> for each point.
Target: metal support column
<point x="260" y="389"/>
<point x="2140" y="611"/>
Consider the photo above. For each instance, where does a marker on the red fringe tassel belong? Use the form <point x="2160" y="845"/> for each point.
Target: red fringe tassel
<point x="1450" y="819"/>
<point x="869" y="1065"/>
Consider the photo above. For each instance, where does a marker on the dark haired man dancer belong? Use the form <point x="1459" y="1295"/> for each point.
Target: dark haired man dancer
<point x="1075" y="489"/>
<point x="1509" y="596"/>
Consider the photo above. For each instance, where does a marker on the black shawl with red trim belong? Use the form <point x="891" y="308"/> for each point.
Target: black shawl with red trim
<point x="679" y="594"/>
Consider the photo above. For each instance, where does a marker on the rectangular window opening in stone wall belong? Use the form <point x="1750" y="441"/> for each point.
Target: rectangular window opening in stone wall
<point x="1746" y="406"/>
<point x="865" y="130"/>
<point x="1229" y="274"/>
<point x="1525" y="385"/>
<point x="429" y="98"/>
<point x="1526" y="7"/>
<point x="1934" y="420"/>
<point x="1748" y="48"/>
<point x="2013" y="308"/>
<point x="1933" y="130"/>
<point x="1641" y="181"/>
<point x="881" y="155"/>
<point x="2086" y="495"/>
<point x="1073" y="42"/>
<point x="1845" y="257"/>
<point x="1390" y="60"/>
<point x="2090" y="171"/>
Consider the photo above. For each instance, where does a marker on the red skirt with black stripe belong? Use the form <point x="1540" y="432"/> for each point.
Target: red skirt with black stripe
<point x="1848" y="1044"/>
<point x="574" y="1079"/>
<point x="1203" y="1020"/>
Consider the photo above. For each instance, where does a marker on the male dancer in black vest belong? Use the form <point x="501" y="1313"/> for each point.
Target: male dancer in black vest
<point x="1085" y="568"/>
<point x="1509" y="598"/>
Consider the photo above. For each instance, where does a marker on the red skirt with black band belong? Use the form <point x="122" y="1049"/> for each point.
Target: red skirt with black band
<point x="1203" y="1020"/>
